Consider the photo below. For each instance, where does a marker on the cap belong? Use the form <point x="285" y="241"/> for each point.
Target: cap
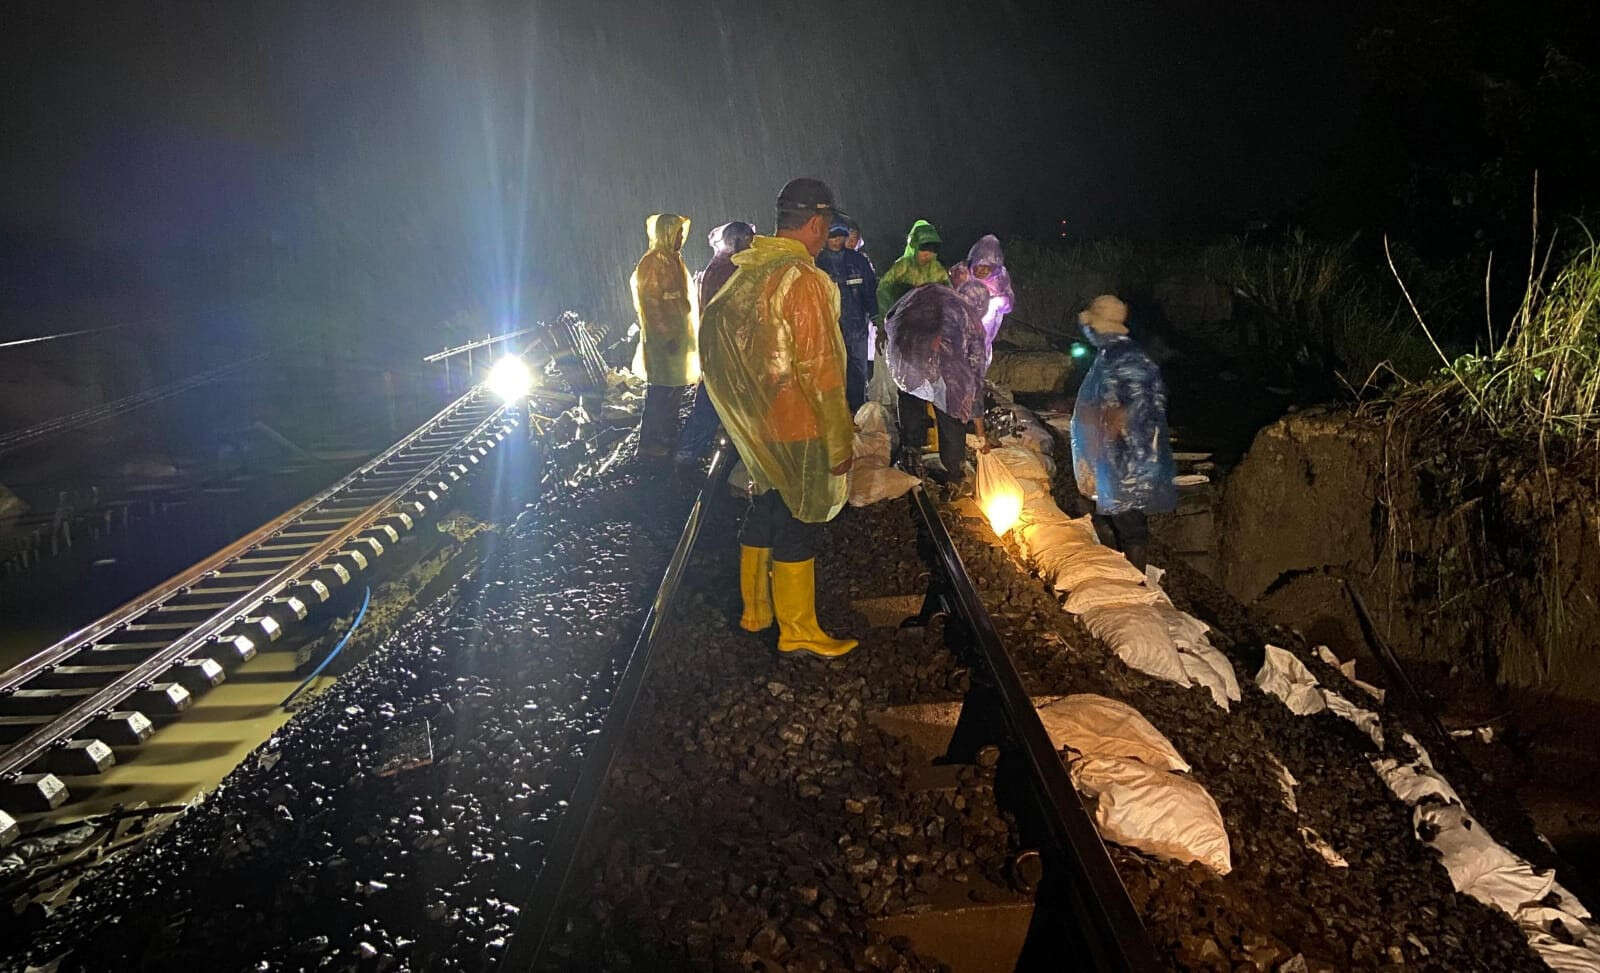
<point x="838" y="229"/>
<point x="807" y="195"/>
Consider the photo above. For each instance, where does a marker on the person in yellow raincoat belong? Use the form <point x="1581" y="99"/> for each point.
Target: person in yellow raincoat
<point x="774" y="362"/>
<point x="662" y="299"/>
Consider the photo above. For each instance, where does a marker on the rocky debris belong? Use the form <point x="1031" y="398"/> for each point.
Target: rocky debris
<point x="1030" y="372"/>
<point x="308" y="857"/>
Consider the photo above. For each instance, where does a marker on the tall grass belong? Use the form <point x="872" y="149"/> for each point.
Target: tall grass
<point x="1542" y="378"/>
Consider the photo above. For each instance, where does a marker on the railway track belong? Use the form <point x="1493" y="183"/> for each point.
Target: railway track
<point x="73" y="708"/>
<point x="1080" y="907"/>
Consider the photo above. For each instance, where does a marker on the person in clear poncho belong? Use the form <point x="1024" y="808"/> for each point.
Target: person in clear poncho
<point x="986" y="263"/>
<point x="1121" y="452"/>
<point x="935" y="353"/>
<point x="701" y="428"/>
<point x="774" y="362"/>
<point x="665" y="306"/>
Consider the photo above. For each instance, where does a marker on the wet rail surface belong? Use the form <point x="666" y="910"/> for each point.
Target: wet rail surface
<point x="1081" y="909"/>
<point x="72" y="708"/>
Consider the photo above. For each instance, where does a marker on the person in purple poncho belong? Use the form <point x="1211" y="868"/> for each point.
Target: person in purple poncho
<point x="986" y="263"/>
<point x="935" y="353"/>
<point x="726" y="240"/>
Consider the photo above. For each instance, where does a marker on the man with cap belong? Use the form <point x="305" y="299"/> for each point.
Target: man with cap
<point x="1121" y="453"/>
<point x="774" y="364"/>
<point x="858" y="298"/>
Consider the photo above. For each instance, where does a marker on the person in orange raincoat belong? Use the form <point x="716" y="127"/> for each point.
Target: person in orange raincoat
<point x="662" y="299"/>
<point x="774" y="362"/>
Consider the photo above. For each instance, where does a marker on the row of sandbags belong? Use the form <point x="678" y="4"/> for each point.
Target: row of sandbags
<point x="1117" y="603"/>
<point x="1135" y="780"/>
<point x="1478" y="865"/>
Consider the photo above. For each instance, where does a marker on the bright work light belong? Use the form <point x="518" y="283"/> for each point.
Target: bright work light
<point x="510" y="378"/>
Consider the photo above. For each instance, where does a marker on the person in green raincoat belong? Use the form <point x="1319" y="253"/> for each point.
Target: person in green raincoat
<point x="662" y="300"/>
<point x="917" y="266"/>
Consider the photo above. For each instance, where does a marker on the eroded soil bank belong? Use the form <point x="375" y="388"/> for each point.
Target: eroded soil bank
<point x="1481" y="573"/>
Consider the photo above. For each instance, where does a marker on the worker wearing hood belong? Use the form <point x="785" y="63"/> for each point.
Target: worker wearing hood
<point x="1121" y="453"/>
<point x="701" y="429"/>
<point x="774" y="368"/>
<point x="665" y="306"/>
<point x="935" y="355"/>
<point x="986" y="264"/>
<point x="918" y="265"/>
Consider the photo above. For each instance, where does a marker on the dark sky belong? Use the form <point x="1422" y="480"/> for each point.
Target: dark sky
<point x="407" y="160"/>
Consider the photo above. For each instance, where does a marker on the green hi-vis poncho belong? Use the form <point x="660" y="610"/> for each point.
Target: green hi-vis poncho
<point x="907" y="272"/>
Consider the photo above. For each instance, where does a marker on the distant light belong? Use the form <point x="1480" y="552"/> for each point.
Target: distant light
<point x="510" y="378"/>
<point x="1079" y="349"/>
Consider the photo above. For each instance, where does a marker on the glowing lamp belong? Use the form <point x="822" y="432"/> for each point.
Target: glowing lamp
<point x="1079" y="349"/>
<point x="1001" y="503"/>
<point x="510" y="378"/>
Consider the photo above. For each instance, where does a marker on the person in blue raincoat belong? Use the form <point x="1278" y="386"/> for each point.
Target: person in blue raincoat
<point x="852" y="273"/>
<point x="1121" y="451"/>
<point x="701" y="429"/>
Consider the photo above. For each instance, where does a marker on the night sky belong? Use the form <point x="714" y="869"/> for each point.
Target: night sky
<point x="403" y="161"/>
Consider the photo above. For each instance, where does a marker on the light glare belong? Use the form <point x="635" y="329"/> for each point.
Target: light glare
<point x="510" y="378"/>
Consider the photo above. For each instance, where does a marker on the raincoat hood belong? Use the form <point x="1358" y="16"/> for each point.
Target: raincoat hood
<point x="667" y="231"/>
<point x="986" y="252"/>
<point x="921" y="232"/>
<point x="730" y="238"/>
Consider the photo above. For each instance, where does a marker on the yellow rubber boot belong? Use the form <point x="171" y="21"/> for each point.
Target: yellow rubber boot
<point x="794" y="596"/>
<point x="933" y="428"/>
<point x="754" y="588"/>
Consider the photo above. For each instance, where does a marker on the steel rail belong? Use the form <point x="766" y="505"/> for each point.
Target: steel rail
<point x="1104" y="914"/>
<point x="475" y="344"/>
<point x="539" y="912"/>
<point x="36" y="744"/>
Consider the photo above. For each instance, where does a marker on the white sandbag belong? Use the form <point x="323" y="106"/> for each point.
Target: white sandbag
<point x="1478" y="865"/>
<point x="1185" y="629"/>
<point x="1041" y="509"/>
<point x="872" y="485"/>
<point x="1200" y="673"/>
<point x="1097" y="726"/>
<point x="1024" y="464"/>
<point x="1098" y="594"/>
<point x="1154" y="811"/>
<point x="1286" y="677"/>
<point x="1415" y="782"/>
<point x="1064" y="534"/>
<point x="1138" y="636"/>
<point x="1094" y="564"/>
<point x="1203" y="650"/>
<point x="1565" y="957"/>
<point x="871" y="478"/>
<point x="1349" y="669"/>
<point x="1365" y="719"/>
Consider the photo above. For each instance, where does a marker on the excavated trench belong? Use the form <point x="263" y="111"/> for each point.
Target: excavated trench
<point x="1481" y="571"/>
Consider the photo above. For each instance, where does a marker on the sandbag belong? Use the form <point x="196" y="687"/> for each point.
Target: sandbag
<point x="1286" y="677"/>
<point x="1094" y="564"/>
<point x="871" y="477"/>
<point x="998" y="493"/>
<point x="1098" y="594"/>
<point x="1365" y="719"/>
<point x="1478" y="865"/>
<point x="1037" y="538"/>
<point x="1139" y="638"/>
<point x="1202" y="650"/>
<point x="1154" y="811"/>
<point x="1097" y="726"/>
<point x="1200" y="673"/>
<point x="1349" y="670"/>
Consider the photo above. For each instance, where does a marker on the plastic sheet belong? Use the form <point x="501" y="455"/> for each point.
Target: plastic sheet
<point x="935" y="350"/>
<point x="774" y="364"/>
<point x="1121" y="453"/>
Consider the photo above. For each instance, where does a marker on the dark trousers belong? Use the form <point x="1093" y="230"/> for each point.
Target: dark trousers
<point x="952" y="436"/>
<point x="1128" y="532"/>
<point x="768" y="523"/>
<point x="855" y="370"/>
<point x="700" y="430"/>
<point x="658" y="426"/>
